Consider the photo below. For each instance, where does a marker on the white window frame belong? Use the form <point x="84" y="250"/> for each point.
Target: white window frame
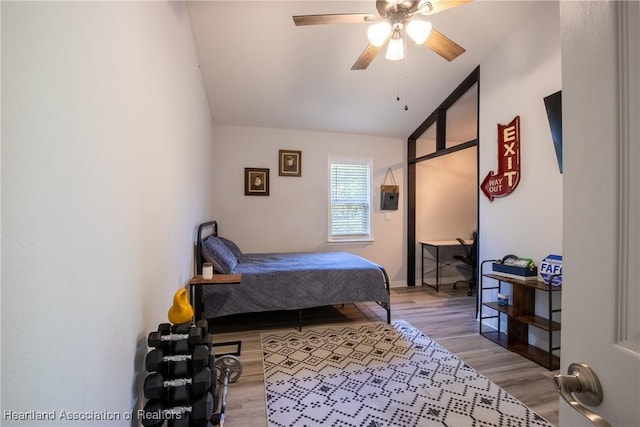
<point x="354" y="237"/>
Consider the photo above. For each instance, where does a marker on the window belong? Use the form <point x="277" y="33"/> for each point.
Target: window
<point x="349" y="200"/>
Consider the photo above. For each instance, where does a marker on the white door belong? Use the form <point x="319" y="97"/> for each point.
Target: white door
<point x="601" y="197"/>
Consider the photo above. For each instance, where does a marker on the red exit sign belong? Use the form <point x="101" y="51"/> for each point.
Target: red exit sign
<point x="503" y="182"/>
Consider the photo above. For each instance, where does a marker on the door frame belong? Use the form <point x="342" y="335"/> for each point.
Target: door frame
<point x="438" y="116"/>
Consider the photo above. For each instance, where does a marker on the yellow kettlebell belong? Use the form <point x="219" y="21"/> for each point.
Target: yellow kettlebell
<point x="181" y="311"/>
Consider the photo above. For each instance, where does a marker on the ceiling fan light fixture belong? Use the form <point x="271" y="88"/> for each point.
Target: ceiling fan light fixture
<point x="395" y="50"/>
<point x="378" y="33"/>
<point x="393" y="25"/>
<point x="419" y="30"/>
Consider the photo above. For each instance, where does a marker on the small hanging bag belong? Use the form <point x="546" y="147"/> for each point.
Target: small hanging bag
<point x="389" y="194"/>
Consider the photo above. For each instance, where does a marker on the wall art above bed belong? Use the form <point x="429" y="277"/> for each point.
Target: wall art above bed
<point x="256" y="182"/>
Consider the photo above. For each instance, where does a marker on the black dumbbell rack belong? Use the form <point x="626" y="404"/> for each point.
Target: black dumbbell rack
<point x="181" y="383"/>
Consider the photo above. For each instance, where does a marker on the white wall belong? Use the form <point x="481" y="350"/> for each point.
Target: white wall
<point x="521" y="71"/>
<point x="294" y="217"/>
<point x="106" y="148"/>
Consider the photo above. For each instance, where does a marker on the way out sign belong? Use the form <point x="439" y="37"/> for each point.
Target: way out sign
<point x="503" y="182"/>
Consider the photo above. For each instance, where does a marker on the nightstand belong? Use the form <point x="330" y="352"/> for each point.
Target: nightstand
<point x="195" y="289"/>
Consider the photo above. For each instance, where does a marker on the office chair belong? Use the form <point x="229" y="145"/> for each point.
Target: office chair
<point x="469" y="258"/>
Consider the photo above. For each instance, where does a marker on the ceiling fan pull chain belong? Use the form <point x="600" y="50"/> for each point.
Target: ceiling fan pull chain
<point x="406" y="96"/>
<point x="406" y="74"/>
<point x="406" y="99"/>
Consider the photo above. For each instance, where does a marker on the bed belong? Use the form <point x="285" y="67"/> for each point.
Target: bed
<point x="283" y="281"/>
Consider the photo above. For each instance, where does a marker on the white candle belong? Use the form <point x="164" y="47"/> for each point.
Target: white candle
<point x="207" y="271"/>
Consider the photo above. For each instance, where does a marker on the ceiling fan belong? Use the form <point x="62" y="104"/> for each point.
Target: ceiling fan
<point x="396" y="18"/>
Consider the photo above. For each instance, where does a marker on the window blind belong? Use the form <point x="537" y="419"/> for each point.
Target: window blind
<point x="350" y="199"/>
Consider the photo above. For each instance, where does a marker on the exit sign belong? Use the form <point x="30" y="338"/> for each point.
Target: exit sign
<point x="503" y="182"/>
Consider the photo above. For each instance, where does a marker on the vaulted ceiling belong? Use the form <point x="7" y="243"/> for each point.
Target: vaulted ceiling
<point x="261" y="70"/>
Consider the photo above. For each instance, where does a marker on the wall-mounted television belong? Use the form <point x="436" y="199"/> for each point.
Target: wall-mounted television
<point x="553" y="103"/>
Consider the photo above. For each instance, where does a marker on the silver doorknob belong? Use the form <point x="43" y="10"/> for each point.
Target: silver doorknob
<point x="581" y="387"/>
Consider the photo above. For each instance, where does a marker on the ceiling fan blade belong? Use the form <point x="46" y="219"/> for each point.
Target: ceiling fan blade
<point x="366" y="57"/>
<point x="442" y="5"/>
<point x="383" y="6"/>
<point x="343" y="18"/>
<point x="444" y="46"/>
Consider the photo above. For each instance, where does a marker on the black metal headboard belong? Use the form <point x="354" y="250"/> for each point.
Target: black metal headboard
<point x="204" y="230"/>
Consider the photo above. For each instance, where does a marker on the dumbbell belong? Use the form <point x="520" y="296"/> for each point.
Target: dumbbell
<point x="182" y="327"/>
<point x="178" y="340"/>
<point x="230" y="369"/>
<point x="197" y="413"/>
<point x="204" y="326"/>
<point x="177" y="365"/>
<point x="179" y="389"/>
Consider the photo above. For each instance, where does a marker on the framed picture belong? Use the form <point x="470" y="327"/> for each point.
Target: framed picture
<point x="289" y="163"/>
<point x="256" y="182"/>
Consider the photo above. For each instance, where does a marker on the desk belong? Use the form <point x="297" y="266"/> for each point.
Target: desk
<point x="437" y="244"/>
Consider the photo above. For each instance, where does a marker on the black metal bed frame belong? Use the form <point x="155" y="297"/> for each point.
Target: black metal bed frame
<point x="199" y="261"/>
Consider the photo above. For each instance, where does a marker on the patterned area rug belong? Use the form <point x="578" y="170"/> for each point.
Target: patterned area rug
<point x="379" y="375"/>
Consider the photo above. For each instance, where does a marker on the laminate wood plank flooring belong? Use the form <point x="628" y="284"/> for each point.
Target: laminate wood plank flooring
<point x="447" y="316"/>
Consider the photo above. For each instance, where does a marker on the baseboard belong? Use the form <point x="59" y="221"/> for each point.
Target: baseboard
<point x="397" y="283"/>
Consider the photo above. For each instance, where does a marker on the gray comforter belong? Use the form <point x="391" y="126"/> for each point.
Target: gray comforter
<point x="289" y="281"/>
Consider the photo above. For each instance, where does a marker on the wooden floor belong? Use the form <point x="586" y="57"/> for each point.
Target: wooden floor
<point x="447" y="317"/>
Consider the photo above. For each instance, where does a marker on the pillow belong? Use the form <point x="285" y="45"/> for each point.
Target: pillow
<point x="218" y="254"/>
<point x="232" y="246"/>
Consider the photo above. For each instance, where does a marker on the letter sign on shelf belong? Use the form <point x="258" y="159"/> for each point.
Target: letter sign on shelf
<point x="507" y="178"/>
